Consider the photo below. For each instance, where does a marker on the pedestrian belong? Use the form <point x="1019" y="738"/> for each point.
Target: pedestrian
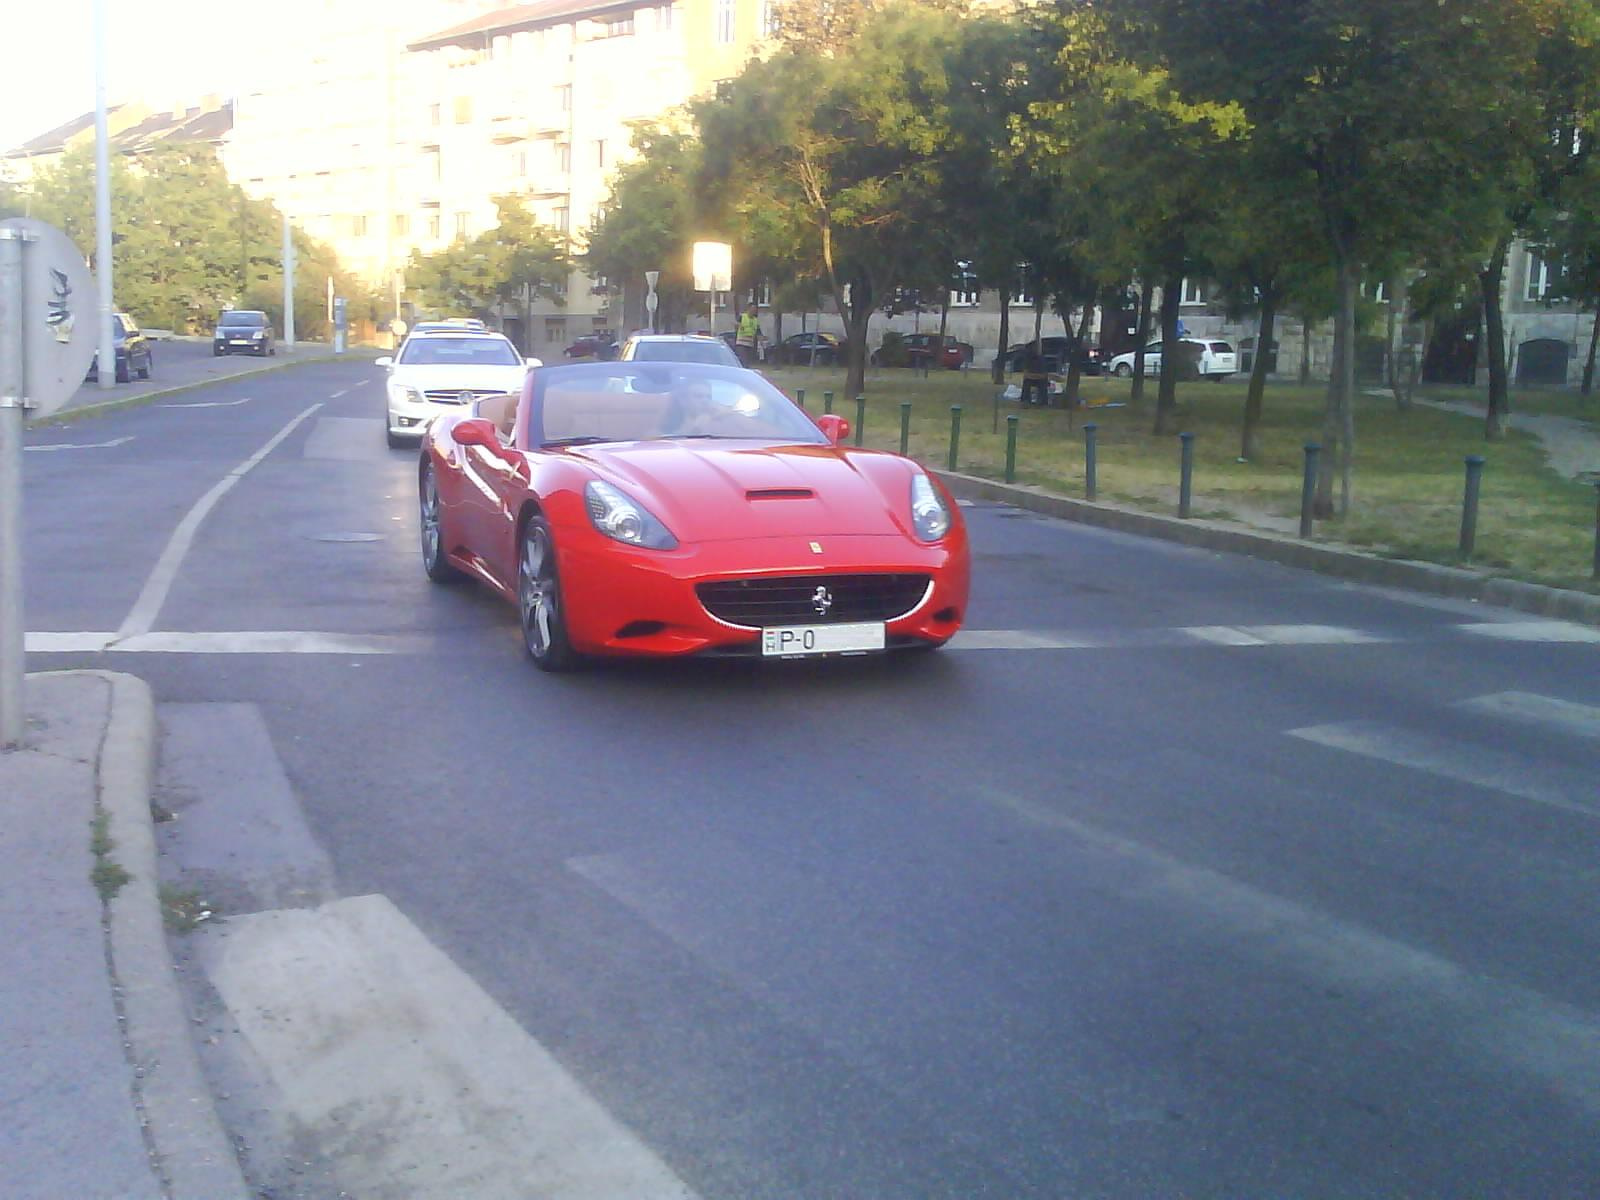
<point x="746" y="336"/>
<point x="1035" y="377"/>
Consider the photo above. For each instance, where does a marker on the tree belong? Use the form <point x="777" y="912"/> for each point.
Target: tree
<point x="512" y="264"/>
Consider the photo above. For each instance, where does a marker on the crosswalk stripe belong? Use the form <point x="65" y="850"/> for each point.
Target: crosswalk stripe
<point x="1018" y="639"/>
<point x="1581" y="719"/>
<point x="1533" y="631"/>
<point x="1460" y="761"/>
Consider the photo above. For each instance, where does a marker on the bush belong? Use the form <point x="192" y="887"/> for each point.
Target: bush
<point x="893" y="352"/>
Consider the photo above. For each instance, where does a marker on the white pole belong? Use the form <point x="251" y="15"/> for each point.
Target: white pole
<point x="107" y="367"/>
<point x="13" y="382"/>
<point x="288" y="283"/>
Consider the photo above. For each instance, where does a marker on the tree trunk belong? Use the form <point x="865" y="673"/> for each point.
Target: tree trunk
<point x="1250" y="437"/>
<point x="1069" y="397"/>
<point x="944" y="325"/>
<point x="998" y="372"/>
<point x="1305" y="350"/>
<point x="1146" y="293"/>
<point x="856" y="329"/>
<point x="1336" y="421"/>
<point x="1588" y="363"/>
<point x="1167" y="392"/>
<point x="1489" y="279"/>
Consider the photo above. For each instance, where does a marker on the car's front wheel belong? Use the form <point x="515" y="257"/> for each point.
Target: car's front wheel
<point x="1122" y="371"/>
<point x="543" y="619"/>
<point x="431" y="511"/>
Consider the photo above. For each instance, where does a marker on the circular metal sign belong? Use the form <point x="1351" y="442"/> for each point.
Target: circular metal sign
<point x="60" y="332"/>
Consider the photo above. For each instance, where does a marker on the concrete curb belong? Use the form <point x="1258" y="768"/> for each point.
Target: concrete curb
<point x="1344" y="562"/>
<point x="191" y="1148"/>
<point x="86" y="412"/>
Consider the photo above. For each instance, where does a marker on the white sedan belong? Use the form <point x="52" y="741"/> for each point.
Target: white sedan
<point x="441" y="371"/>
<point x="1213" y="360"/>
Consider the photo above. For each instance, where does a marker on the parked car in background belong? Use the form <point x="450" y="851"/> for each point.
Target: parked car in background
<point x="1209" y="359"/>
<point x="601" y="344"/>
<point x="243" y="331"/>
<point x="678" y="347"/>
<point x="447" y="370"/>
<point x="134" y="355"/>
<point x="797" y="348"/>
<point x="1056" y="352"/>
<point x="923" y="350"/>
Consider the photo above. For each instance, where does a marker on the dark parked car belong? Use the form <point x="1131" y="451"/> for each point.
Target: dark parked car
<point x="134" y="355"/>
<point x="601" y="344"/>
<point x="920" y="350"/>
<point x="1055" y="352"/>
<point x="243" y="331"/>
<point x="796" y="349"/>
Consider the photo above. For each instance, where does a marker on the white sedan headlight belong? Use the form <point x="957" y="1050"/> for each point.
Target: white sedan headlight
<point x="929" y="516"/>
<point x="400" y="391"/>
<point x="619" y="516"/>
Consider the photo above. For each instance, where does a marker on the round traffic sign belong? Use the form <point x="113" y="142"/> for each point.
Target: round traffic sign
<point x="59" y="329"/>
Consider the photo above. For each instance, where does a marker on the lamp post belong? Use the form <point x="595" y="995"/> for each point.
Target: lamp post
<point x="107" y="369"/>
<point x="650" y="300"/>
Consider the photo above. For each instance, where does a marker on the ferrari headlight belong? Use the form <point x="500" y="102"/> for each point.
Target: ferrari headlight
<point x="618" y="515"/>
<point x="929" y="516"/>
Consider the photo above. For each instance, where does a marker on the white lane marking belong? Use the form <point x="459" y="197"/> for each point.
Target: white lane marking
<point x="79" y="445"/>
<point x="1533" y="631"/>
<point x="1395" y="982"/>
<point x="147" y="607"/>
<point x="404" y="1075"/>
<point x="340" y="392"/>
<point x="265" y="642"/>
<point x="66" y="643"/>
<point x="1310" y="635"/>
<point x="210" y="404"/>
<point x="1460" y="761"/>
<point x="1223" y="635"/>
<point x="1533" y="709"/>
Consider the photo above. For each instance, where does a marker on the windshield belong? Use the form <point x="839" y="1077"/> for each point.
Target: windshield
<point x="246" y="320"/>
<point x="700" y="352"/>
<point x="460" y="351"/>
<point x="634" y="401"/>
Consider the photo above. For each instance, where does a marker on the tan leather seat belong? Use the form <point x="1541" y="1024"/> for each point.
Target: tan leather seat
<point x="502" y="411"/>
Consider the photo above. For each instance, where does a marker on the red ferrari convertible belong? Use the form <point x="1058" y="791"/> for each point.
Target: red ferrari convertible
<point x="665" y="508"/>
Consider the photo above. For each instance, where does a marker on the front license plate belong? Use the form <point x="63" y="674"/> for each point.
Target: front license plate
<point x="240" y="342"/>
<point x="789" y="641"/>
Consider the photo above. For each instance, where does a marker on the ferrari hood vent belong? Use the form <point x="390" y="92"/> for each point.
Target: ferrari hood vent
<point x="780" y="493"/>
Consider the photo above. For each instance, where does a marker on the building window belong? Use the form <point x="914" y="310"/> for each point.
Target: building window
<point x="1022" y="285"/>
<point x="434" y="114"/>
<point x="619" y="25"/>
<point x="1194" y="292"/>
<point x="964" y="286"/>
<point x="725" y="21"/>
<point x="1542" y="278"/>
<point x="433" y="226"/>
<point x="769" y="18"/>
<point x="600" y="153"/>
<point x="564" y="219"/>
<point x="402" y="224"/>
<point x="461" y="224"/>
<point x="463" y="110"/>
<point x="564" y="94"/>
<point x="358" y="226"/>
<point x="555" y="329"/>
<point x="564" y="158"/>
<point x="1378" y="292"/>
<point x="761" y="294"/>
<point x="435" y="166"/>
<point x="522" y="164"/>
<point x="663" y="17"/>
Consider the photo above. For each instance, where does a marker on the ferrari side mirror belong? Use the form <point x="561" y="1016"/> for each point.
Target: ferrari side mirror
<point x="474" y="431"/>
<point x="835" y="426"/>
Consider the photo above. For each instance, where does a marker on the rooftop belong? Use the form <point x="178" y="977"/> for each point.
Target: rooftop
<point x="481" y="29"/>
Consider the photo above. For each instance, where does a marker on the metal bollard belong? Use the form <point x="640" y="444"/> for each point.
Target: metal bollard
<point x="827" y="402"/>
<point x="1469" y="505"/>
<point x="861" y="417"/>
<point x="1186" y="473"/>
<point x="1308" y="488"/>
<point x="1089" y="464"/>
<point x="905" y="427"/>
<point x="1011" y="447"/>
<point x="955" y="435"/>
<point x="800" y="397"/>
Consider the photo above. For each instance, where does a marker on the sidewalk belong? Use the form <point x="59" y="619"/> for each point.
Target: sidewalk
<point x="101" y="1086"/>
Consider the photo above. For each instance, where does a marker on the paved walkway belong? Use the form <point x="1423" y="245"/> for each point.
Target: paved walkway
<point x="1572" y="446"/>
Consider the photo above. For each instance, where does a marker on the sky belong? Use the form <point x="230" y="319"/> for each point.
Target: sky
<point x="161" y="51"/>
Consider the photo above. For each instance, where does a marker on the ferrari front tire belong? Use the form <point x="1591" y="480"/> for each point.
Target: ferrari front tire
<point x="431" y="510"/>
<point x="539" y="606"/>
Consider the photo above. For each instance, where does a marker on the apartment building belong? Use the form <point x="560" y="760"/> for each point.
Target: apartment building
<point x="133" y="129"/>
<point x="539" y="100"/>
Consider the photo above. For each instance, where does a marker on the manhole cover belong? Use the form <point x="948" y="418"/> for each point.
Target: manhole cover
<point x="349" y="537"/>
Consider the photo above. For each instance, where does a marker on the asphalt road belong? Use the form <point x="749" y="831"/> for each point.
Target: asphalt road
<point x="1179" y="875"/>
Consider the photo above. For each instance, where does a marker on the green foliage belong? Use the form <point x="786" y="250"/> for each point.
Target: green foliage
<point x="516" y="262"/>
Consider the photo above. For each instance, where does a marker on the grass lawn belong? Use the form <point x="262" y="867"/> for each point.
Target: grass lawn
<point x="1532" y="524"/>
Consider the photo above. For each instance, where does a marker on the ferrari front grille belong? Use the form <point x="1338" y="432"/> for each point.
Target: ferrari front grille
<point x="812" y="599"/>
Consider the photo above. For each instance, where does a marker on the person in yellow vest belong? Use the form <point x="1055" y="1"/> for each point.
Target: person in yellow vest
<point x="746" y="336"/>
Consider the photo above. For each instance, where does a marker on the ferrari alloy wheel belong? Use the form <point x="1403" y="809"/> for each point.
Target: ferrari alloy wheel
<point x="434" y="560"/>
<point x="544" y="630"/>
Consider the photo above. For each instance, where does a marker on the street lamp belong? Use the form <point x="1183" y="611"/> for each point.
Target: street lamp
<point x="650" y="300"/>
<point x="107" y="371"/>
